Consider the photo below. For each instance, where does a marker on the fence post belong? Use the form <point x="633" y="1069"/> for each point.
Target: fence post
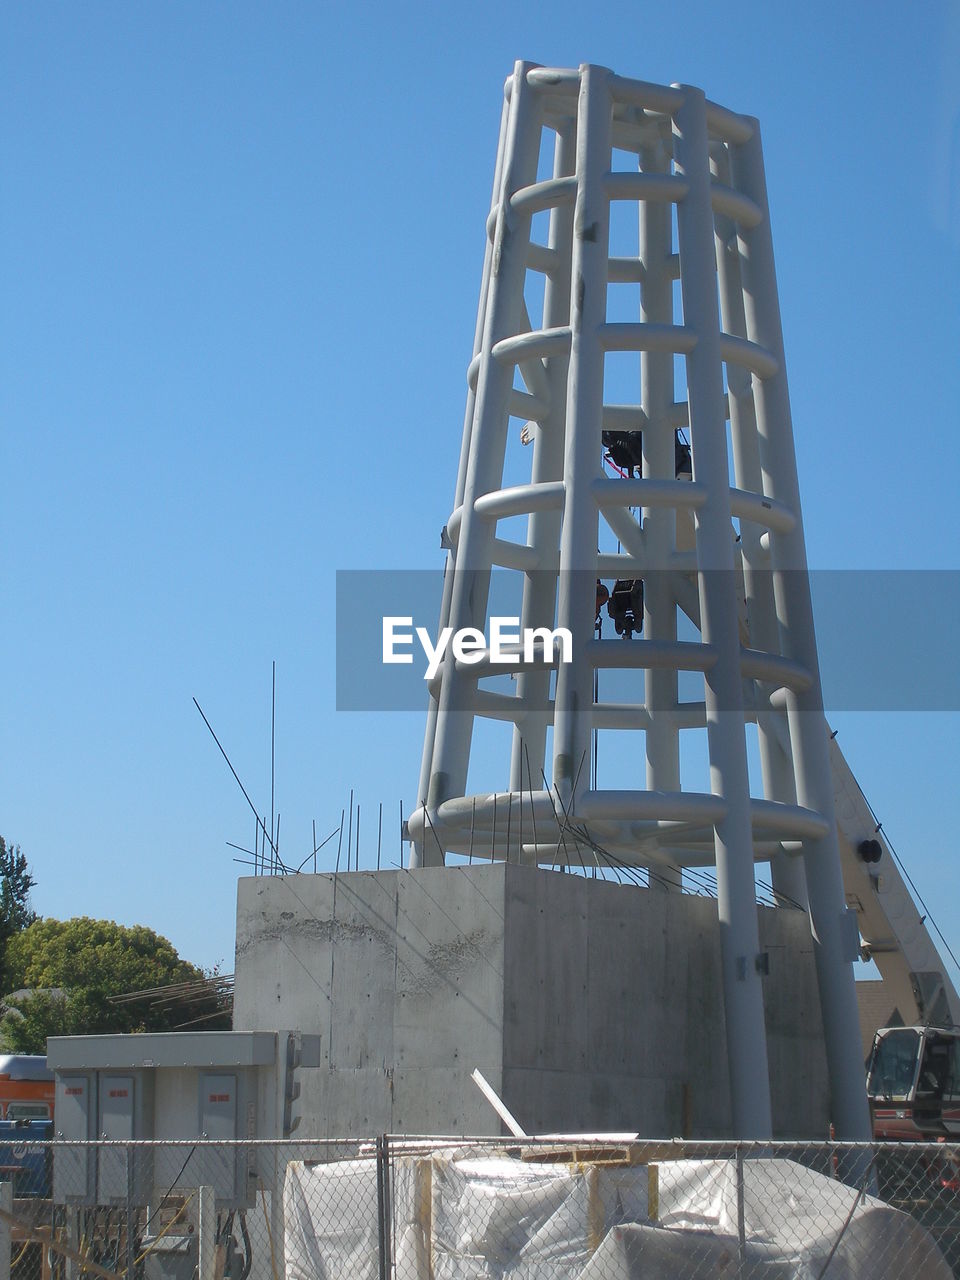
<point x="384" y="1233"/>
<point x="6" y="1204"/>
<point x="131" y="1233"/>
<point x="741" y="1227"/>
<point x="278" y="1232"/>
<point x="207" y="1233"/>
<point x="381" y="1243"/>
<point x="71" y="1268"/>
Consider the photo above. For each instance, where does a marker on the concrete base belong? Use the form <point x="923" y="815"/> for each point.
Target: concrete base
<point x="587" y="1005"/>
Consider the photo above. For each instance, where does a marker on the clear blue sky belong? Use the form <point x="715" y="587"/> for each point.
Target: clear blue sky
<point x="241" y="247"/>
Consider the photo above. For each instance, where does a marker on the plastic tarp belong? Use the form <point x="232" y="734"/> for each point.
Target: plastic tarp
<point x="331" y="1219"/>
<point x="793" y="1220"/>
<point x="493" y="1218"/>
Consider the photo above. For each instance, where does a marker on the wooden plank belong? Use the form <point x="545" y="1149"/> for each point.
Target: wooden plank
<point x="44" y="1235"/>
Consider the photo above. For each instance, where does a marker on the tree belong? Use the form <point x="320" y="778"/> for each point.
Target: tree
<point x="15" y="912"/>
<point x="15" y="885"/>
<point x="69" y="969"/>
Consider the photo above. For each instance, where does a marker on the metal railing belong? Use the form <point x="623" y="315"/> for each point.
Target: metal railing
<point x="402" y="1208"/>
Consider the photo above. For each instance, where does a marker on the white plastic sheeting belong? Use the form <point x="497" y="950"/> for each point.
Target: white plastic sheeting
<point x="493" y="1218"/>
<point x="330" y="1220"/>
<point x="496" y="1218"/>
<point x="330" y="1217"/>
<point x="793" y="1218"/>
<point x="451" y="1218"/>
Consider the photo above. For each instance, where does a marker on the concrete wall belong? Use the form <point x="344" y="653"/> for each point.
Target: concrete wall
<point x="586" y="1004"/>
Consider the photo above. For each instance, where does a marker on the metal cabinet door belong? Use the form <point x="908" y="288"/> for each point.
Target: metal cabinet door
<point x="73" y="1171"/>
<point x="219" y="1109"/>
<point x="116" y="1124"/>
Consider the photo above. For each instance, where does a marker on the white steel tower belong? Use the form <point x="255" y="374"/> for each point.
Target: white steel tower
<point x="720" y="555"/>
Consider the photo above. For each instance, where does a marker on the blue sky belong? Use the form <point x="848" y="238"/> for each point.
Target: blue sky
<point x="241" y="249"/>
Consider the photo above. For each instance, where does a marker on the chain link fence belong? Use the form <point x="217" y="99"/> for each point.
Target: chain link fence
<point x="406" y="1208"/>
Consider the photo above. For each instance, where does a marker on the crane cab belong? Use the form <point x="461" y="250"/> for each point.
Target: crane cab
<point x="913" y="1083"/>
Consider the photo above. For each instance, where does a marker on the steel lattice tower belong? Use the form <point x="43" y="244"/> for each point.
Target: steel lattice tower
<point x="723" y="550"/>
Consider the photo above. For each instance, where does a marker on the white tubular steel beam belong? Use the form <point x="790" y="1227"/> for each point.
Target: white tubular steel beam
<point x="576" y="606"/>
<point x="429" y="737"/>
<point x="529" y="745"/>
<point x="471" y="581"/>
<point x="834" y="943"/>
<point x="786" y="873"/>
<point x="662" y="738"/>
<point x="736" y="891"/>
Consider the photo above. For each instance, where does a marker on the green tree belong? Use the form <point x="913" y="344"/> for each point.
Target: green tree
<point x="41" y="1014"/>
<point x="69" y="969"/>
<point x="15" y="885"/>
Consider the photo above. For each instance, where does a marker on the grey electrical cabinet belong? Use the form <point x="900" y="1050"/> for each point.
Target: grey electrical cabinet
<point x="201" y="1090"/>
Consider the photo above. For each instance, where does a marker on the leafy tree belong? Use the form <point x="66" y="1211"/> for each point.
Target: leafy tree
<point x="34" y="1017"/>
<point x="69" y="969"/>
<point x="15" y="885"/>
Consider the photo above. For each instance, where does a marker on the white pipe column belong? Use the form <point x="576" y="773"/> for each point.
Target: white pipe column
<point x="416" y="852"/>
<point x="662" y="738"/>
<point x="468" y="602"/>
<point x="576" y="608"/>
<point x="528" y="756"/>
<point x="838" y="998"/>
<point x="786" y="872"/>
<point x="739" y="931"/>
